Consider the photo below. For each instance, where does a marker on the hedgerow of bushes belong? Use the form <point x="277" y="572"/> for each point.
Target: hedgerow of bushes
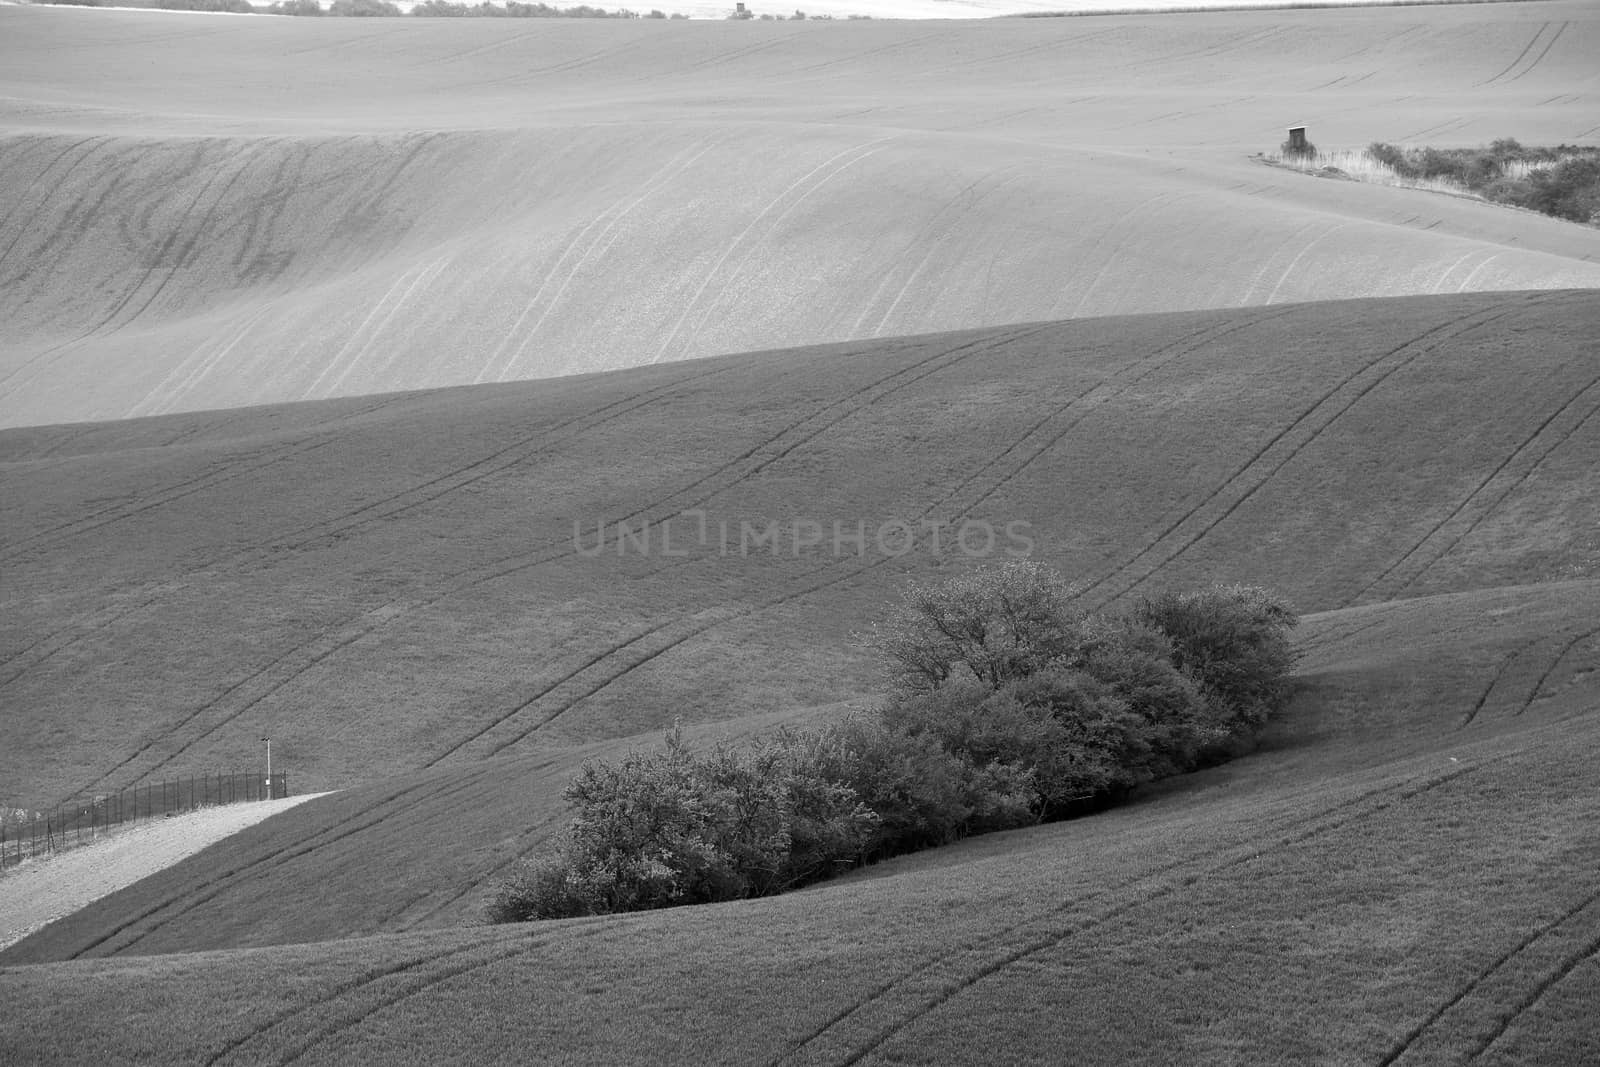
<point x="1008" y="707"/>
<point x="1563" y="181"/>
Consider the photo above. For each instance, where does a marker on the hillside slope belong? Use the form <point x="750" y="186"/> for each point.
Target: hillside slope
<point x="414" y="580"/>
<point x="358" y="208"/>
<point x="1401" y="881"/>
<point x="390" y="587"/>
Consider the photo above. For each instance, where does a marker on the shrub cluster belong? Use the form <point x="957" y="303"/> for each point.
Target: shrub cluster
<point x="1008" y="707"/>
<point x="1563" y="181"/>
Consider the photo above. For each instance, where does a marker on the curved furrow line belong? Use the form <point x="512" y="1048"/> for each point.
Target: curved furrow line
<point x="410" y="982"/>
<point x="1305" y="428"/>
<point x="571" y="675"/>
<point x="220" y="473"/>
<point x="314" y="532"/>
<point x="198" y="363"/>
<point x="69" y="635"/>
<point x="1493" y="505"/>
<point x="214" y="885"/>
<point x="948" y="207"/>
<point x="602" y="242"/>
<point x="1112" y="388"/>
<point x="22" y="194"/>
<point x="1525" y="71"/>
<point x="1478" y="490"/>
<point x="1326" y="641"/>
<point x="768" y="454"/>
<point x="371" y="327"/>
<point x="801" y="188"/>
<point x="264" y="1031"/>
<point x="1525" y="50"/>
<point x="1557" y="976"/>
<point x="509" y="458"/>
<point x="613" y="673"/>
<point x="718" y="59"/>
<point x="263" y="682"/>
<point x="1500" y="673"/>
<point x="856" y="57"/>
<point x="1555" y="661"/>
<point x="555" y="68"/>
<point x="1140" y="212"/>
<point x="1408" y="1042"/>
<point x="158" y="260"/>
<point x="492" y="46"/>
<point x="936" y="981"/>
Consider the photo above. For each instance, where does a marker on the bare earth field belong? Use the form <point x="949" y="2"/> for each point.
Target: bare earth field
<point x="201" y="212"/>
<point x="454" y="401"/>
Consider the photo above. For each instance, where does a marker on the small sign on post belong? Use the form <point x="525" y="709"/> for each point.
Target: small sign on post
<point x="1297" y="139"/>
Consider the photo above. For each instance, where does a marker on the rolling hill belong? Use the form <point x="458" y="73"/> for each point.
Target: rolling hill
<point x="371" y="398"/>
<point x="367" y="206"/>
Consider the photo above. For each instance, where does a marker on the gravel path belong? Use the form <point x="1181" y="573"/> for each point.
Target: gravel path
<point x="42" y="891"/>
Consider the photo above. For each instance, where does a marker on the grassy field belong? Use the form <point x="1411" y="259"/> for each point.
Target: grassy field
<point x="1393" y="887"/>
<point x="1042" y="287"/>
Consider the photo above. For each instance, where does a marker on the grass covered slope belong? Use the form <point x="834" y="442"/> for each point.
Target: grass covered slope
<point x="360" y="208"/>
<point x="1400" y="888"/>
<point x="395" y="583"/>
<point x="389" y="587"/>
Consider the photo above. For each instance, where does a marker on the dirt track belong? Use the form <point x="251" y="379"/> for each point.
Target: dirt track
<point x="40" y="892"/>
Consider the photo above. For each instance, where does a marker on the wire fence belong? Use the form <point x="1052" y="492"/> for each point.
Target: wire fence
<point x="24" y="834"/>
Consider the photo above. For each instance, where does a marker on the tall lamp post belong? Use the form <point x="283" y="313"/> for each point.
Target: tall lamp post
<point x="268" y="740"/>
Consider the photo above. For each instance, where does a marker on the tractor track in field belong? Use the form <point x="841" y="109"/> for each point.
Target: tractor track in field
<point x="494" y="950"/>
<point x="95" y="142"/>
<point x="1409" y="1042"/>
<point x="1339" y="636"/>
<point x="1404" y="569"/>
<point x="1550" y="668"/>
<point x="644" y="646"/>
<point x="290" y="665"/>
<point x="1550" y="981"/>
<point x="175" y="252"/>
<point x="311" y="534"/>
<point x="1307" y="826"/>
<point x="1303" y="430"/>
<point x="1097" y="396"/>
<point x="285" y="668"/>
<point x="752" y="461"/>
<point x="970" y="963"/>
<point x="606" y="670"/>
<point x="1505" y="676"/>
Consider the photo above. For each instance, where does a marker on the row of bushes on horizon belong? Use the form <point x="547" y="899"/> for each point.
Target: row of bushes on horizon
<point x="376" y="9"/>
<point x="426" y="9"/>
<point x="1563" y="181"/>
<point x="1008" y="707"/>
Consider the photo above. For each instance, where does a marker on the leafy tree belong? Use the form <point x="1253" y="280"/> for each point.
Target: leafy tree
<point x="1233" y="640"/>
<point x="995" y="624"/>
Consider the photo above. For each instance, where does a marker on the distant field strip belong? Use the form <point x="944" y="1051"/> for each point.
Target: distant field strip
<point x="1217" y="506"/>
